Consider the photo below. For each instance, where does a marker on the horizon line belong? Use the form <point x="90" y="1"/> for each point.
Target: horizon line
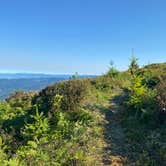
<point x="43" y="73"/>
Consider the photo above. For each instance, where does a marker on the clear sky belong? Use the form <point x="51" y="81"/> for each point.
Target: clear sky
<point x="65" y="36"/>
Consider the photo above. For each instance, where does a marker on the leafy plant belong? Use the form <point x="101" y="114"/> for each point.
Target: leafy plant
<point x="37" y="129"/>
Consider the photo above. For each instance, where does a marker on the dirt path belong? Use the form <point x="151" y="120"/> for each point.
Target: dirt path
<point x="114" y="134"/>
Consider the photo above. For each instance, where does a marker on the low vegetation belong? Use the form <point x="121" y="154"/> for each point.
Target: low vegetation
<point x="115" y="119"/>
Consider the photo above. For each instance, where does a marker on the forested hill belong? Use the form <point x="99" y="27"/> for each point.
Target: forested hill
<point x="115" y="119"/>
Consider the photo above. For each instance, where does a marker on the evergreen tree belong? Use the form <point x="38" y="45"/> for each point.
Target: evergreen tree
<point x="133" y="65"/>
<point x="112" y="70"/>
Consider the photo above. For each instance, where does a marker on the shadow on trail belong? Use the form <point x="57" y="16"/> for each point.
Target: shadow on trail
<point x="113" y="134"/>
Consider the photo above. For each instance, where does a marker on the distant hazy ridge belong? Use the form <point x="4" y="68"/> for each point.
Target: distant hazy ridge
<point x="22" y="81"/>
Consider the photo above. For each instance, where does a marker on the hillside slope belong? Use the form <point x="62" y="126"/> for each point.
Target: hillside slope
<point x="114" y="119"/>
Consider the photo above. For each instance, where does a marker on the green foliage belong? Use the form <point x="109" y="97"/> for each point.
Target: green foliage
<point x="141" y="100"/>
<point x="73" y="92"/>
<point x="145" y="136"/>
<point x="150" y="80"/>
<point x="56" y="103"/>
<point x="21" y="99"/>
<point x="137" y="91"/>
<point x="63" y="124"/>
<point x="133" y="68"/>
<point x="145" y="145"/>
<point x="161" y="100"/>
<point x="64" y="139"/>
<point x="103" y="83"/>
<point x="37" y="129"/>
<point x="4" y="111"/>
<point x="136" y="95"/>
<point x="112" y="71"/>
<point x="3" y="155"/>
<point x="59" y="139"/>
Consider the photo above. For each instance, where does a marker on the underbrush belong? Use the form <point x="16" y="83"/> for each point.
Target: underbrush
<point x="64" y="124"/>
<point x="62" y="132"/>
<point x="144" y="145"/>
<point x="143" y="120"/>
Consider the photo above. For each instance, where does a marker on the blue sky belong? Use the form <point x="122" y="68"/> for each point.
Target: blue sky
<point x="65" y="36"/>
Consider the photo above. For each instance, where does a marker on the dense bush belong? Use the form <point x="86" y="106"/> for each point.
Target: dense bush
<point x="145" y="145"/>
<point x="145" y="136"/>
<point x="102" y="83"/>
<point x="150" y="79"/>
<point x="73" y="92"/>
<point x="62" y="139"/>
<point x="138" y="95"/>
<point x="141" y="101"/>
<point x="21" y="99"/>
<point x="161" y="100"/>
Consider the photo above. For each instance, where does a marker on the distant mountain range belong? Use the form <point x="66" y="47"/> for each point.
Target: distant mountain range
<point x="10" y="82"/>
<point x="29" y="75"/>
<point x="36" y="75"/>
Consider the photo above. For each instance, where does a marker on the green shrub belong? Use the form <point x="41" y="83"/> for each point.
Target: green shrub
<point x="161" y="100"/>
<point x="133" y="68"/>
<point x="102" y="83"/>
<point x="150" y="79"/>
<point x="141" y="100"/>
<point x="136" y="94"/>
<point x="4" y="111"/>
<point x="73" y="92"/>
<point x="37" y="129"/>
<point x="21" y="99"/>
<point x="113" y="72"/>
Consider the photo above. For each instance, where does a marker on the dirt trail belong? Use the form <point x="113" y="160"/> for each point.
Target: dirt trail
<point x="114" y="134"/>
